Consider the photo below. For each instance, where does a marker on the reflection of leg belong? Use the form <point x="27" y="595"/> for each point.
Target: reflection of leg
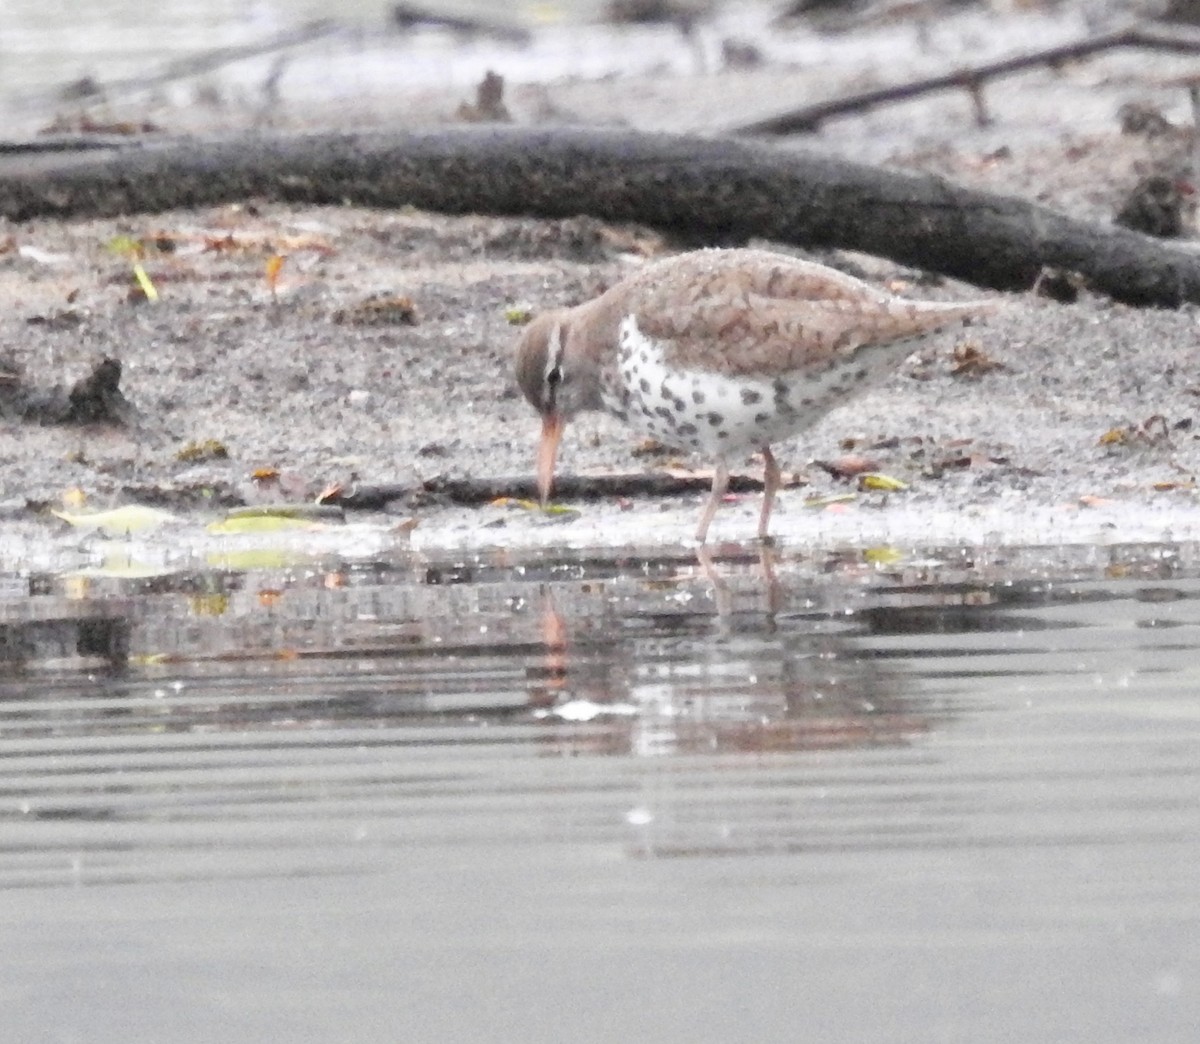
<point x="774" y="589"/>
<point x="720" y="481"/>
<point x="771" y="481"/>
<point x="722" y="596"/>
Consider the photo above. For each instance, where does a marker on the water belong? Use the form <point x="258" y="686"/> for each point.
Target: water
<point x="942" y="795"/>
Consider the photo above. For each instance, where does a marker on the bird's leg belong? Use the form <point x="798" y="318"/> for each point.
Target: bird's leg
<point x="720" y="481"/>
<point x="771" y="481"/>
<point x="722" y="596"/>
<point x="774" y="589"/>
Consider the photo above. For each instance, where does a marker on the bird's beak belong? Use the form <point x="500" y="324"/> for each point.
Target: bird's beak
<point x="552" y="429"/>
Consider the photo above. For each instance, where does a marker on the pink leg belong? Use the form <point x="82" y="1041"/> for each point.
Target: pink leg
<point x="720" y="481"/>
<point x="771" y="482"/>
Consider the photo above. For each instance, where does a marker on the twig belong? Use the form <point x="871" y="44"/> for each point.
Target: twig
<point x="566" y="487"/>
<point x="810" y="117"/>
<point x="193" y="65"/>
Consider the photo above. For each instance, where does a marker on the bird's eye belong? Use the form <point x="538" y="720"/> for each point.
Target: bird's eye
<point x="554" y="377"/>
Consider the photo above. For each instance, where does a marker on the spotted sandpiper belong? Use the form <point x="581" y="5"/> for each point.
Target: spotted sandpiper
<point x="720" y="352"/>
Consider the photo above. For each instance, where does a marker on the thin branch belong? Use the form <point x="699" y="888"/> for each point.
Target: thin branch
<point x="809" y="118"/>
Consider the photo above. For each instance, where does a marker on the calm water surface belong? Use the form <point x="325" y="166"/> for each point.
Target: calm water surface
<point x="940" y="796"/>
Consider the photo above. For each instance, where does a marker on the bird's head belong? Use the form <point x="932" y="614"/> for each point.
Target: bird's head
<point x="552" y="378"/>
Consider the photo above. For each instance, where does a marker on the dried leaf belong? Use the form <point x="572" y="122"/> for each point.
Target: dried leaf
<point x="220" y="244"/>
<point x="970" y="360"/>
<point x="379" y="310"/>
<point x="209" y="449"/>
<point x="274" y="265"/>
<point x="651" y="448"/>
<point x="1153" y="431"/>
<point x="846" y="466"/>
<point x="242" y="241"/>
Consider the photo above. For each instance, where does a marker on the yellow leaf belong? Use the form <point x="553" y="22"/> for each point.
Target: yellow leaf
<point x="133" y="518"/>
<point x="882" y="555"/>
<point x="126" y="246"/>
<point x="74" y="498"/>
<point x="210" y="604"/>
<point x="145" y="282"/>
<point x="122" y="567"/>
<point x="274" y="264"/>
<point x="257" y="558"/>
<point x="532" y="505"/>
<point x="817" y="503"/>
<point x="259" y="524"/>
<point x="305" y="510"/>
<point x="875" y="480"/>
<point x="151" y="659"/>
<point x="517" y="315"/>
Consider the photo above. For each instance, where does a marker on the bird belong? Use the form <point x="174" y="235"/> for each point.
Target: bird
<point x="720" y="352"/>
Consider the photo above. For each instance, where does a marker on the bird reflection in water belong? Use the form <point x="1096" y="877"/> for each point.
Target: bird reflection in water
<point x="713" y="662"/>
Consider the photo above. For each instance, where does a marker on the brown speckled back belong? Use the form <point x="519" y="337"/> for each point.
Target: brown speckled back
<point x="741" y="312"/>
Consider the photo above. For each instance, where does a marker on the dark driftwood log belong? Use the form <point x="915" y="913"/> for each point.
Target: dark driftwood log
<point x="703" y="190"/>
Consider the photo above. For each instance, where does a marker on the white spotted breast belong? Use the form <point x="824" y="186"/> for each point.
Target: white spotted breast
<point x="721" y="414"/>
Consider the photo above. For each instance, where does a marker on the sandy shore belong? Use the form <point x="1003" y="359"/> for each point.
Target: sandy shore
<point x="320" y="384"/>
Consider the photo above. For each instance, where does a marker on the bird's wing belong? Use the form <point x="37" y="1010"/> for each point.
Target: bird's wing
<point x="774" y="319"/>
